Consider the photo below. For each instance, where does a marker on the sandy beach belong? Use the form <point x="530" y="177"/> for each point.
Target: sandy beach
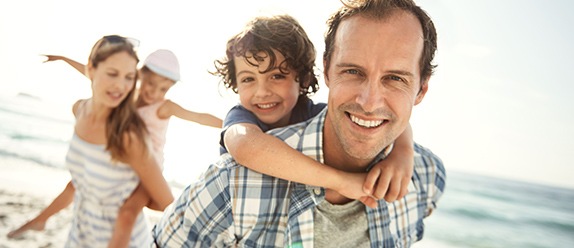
<point x="25" y="189"/>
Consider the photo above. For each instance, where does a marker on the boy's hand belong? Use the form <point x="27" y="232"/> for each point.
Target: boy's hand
<point x="351" y="186"/>
<point x="389" y="179"/>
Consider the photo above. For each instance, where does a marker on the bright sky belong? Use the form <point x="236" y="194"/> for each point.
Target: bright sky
<point x="500" y="103"/>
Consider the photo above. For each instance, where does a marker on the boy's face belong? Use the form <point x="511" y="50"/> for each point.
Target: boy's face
<point x="271" y="96"/>
<point x="153" y="87"/>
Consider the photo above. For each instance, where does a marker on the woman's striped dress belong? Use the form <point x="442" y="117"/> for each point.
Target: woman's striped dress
<point x="101" y="188"/>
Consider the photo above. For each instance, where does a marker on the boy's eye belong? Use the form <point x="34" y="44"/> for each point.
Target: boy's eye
<point x="278" y="76"/>
<point x="112" y="74"/>
<point x="246" y="80"/>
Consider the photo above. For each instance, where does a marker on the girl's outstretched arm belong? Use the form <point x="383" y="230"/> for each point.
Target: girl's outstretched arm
<point x="170" y="108"/>
<point x="390" y="178"/>
<point x="77" y="65"/>
<point x="269" y="155"/>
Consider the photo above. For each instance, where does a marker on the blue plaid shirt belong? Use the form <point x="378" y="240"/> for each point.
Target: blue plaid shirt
<point x="232" y="206"/>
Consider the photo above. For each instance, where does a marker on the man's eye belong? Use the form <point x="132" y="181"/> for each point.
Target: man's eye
<point x="352" y="71"/>
<point x="395" y="78"/>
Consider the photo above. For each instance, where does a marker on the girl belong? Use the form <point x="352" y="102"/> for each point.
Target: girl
<point x="270" y="65"/>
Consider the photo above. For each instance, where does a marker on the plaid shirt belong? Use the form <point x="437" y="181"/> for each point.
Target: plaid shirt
<point x="232" y="206"/>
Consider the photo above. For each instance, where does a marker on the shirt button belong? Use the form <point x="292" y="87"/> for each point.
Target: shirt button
<point x="317" y="191"/>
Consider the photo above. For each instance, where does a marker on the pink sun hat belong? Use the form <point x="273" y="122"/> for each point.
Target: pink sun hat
<point x="164" y="63"/>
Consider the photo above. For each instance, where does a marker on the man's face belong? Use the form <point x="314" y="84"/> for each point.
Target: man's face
<point x="374" y="82"/>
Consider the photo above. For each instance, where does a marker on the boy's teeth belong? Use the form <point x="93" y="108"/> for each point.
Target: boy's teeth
<point x="365" y="123"/>
<point x="266" y="106"/>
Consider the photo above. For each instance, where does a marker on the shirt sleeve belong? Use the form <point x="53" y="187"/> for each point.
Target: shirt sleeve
<point x="201" y="216"/>
<point x="433" y="173"/>
<point x="238" y="114"/>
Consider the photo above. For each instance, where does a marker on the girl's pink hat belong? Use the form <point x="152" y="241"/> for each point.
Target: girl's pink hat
<point x="164" y="63"/>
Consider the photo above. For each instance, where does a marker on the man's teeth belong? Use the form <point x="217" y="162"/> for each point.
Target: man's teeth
<point x="266" y="106"/>
<point x="365" y="123"/>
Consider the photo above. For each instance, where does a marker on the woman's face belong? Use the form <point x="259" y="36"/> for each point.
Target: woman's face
<point x="113" y="79"/>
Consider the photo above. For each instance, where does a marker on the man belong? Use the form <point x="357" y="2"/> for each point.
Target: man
<point x="377" y="63"/>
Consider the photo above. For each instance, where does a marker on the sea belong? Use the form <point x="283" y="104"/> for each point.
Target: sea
<point x="476" y="211"/>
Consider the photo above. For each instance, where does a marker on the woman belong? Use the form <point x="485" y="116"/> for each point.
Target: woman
<point x="109" y="154"/>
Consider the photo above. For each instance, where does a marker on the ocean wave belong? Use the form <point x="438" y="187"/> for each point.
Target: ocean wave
<point x="33" y="138"/>
<point x="37" y="160"/>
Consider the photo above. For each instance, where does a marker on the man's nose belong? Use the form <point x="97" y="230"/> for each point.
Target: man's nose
<point x="371" y="95"/>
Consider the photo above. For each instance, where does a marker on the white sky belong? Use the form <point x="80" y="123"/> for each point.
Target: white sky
<point x="500" y="103"/>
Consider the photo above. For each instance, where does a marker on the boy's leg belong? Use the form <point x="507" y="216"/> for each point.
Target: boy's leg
<point x="63" y="200"/>
<point x="127" y="217"/>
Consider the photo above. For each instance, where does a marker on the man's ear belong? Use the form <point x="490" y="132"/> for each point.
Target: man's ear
<point x="422" y="91"/>
<point x="325" y="74"/>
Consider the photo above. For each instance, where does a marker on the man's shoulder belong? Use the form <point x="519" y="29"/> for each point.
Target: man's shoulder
<point x="429" y="168"/>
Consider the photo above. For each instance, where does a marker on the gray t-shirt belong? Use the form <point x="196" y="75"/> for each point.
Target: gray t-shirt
<point x="341" y="225"/>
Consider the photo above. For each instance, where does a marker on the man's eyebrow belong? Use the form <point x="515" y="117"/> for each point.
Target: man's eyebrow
<point x="402" y="73"/>
<point x="398" y="72"/>
<point x="348" y="65"/>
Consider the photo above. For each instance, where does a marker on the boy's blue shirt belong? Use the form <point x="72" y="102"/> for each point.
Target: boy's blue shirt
<point x="305" y="109"/>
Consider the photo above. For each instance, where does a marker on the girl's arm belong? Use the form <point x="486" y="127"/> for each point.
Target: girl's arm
<point x="170" y="108"/>
<point x="390" y="178"/>
<point x="77" y="65"/>
<point x="269" y="155"/>
<point x="149" y="172"/>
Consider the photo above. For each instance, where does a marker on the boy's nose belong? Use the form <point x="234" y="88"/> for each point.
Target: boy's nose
<point x="262" y="90"/>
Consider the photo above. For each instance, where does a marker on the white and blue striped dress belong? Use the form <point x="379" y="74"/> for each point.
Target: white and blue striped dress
<point x="101" y="188"/>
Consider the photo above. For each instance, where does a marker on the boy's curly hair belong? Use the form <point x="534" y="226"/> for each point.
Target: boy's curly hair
<point x="281" y="33"/>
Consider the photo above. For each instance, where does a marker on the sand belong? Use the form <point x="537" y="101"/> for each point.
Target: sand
<point x="25" y="189"/>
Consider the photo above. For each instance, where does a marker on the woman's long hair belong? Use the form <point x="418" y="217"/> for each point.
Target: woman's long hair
<point x="124" y="119"/>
